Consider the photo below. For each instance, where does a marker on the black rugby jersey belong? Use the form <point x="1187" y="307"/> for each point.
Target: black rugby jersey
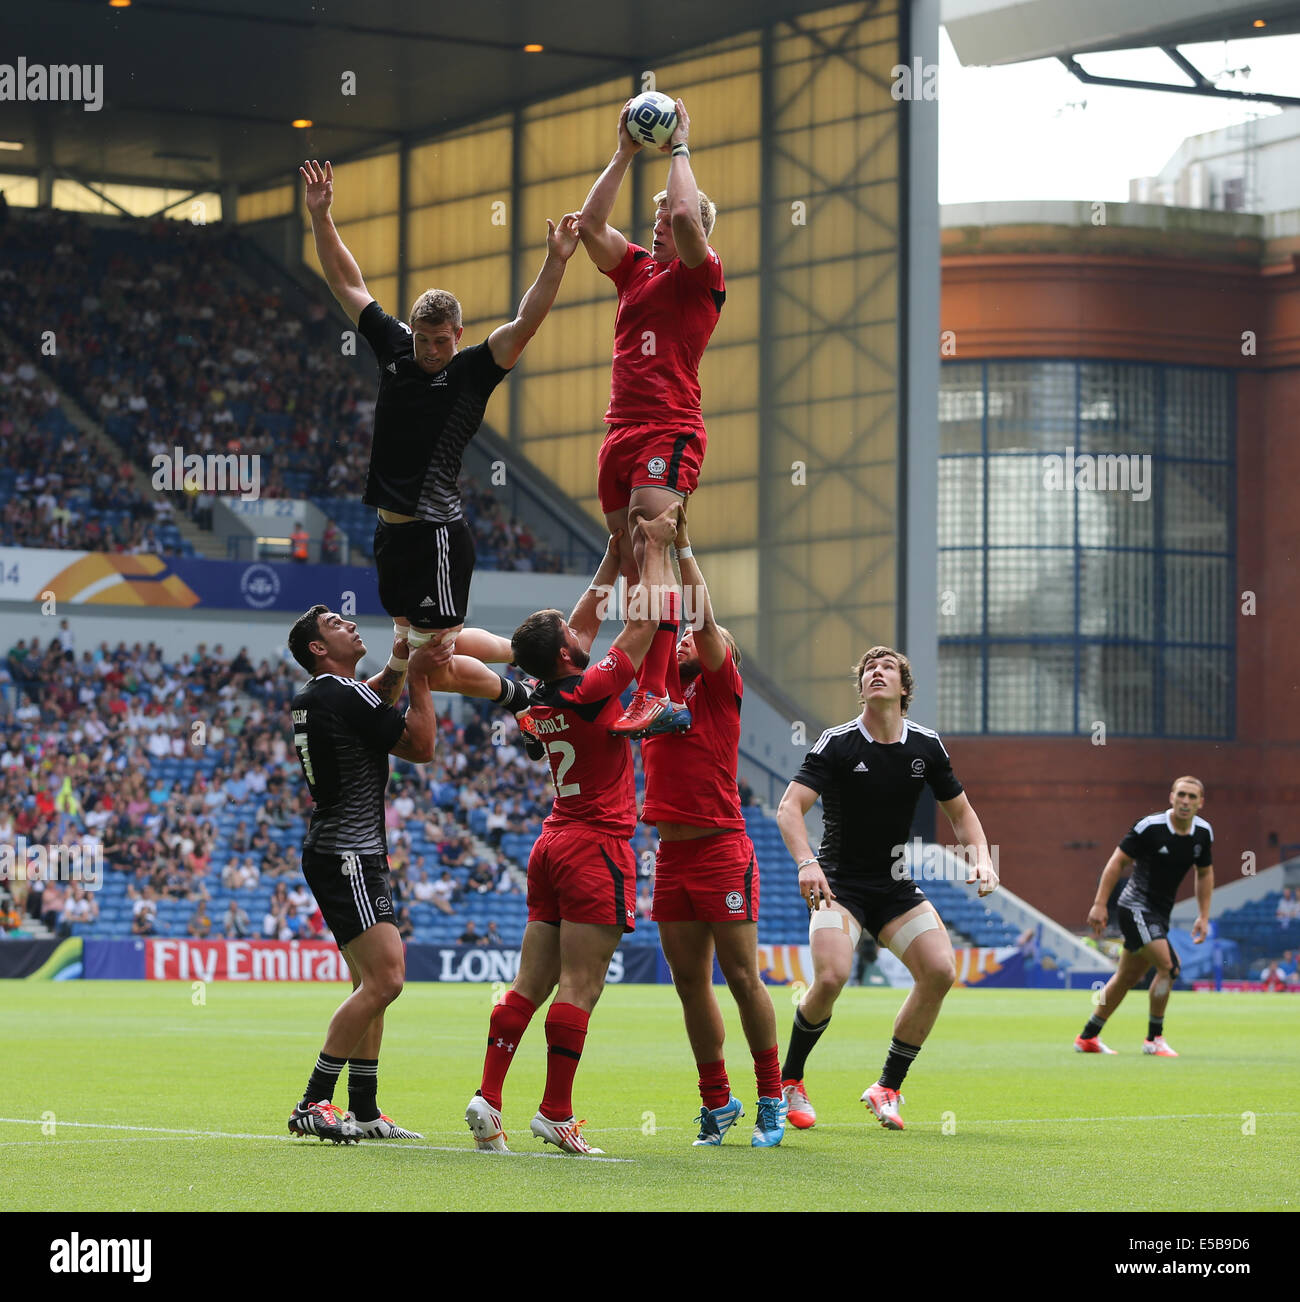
<point x="343" y="733"/>
<point x="423" y="422"/>
<point x="869" y="792"/>
<point x="1161" y="860"/>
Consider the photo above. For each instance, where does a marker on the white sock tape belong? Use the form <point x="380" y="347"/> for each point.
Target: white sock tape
<point x="828" y="919"/>
<point x="909" y="931"/>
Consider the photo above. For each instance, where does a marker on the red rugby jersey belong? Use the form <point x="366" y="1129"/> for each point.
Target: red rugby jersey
<point x="690" y="777"/>
<point x="590" y="770"/>
<point x="675" y="308"/>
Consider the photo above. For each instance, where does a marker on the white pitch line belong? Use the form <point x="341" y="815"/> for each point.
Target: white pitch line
<point x="277" y="1139"/>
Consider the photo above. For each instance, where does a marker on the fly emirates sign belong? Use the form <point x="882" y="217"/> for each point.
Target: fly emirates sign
<point x="243" y="960"/>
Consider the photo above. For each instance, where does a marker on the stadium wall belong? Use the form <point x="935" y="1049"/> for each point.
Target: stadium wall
<point x="1182" y="288"/>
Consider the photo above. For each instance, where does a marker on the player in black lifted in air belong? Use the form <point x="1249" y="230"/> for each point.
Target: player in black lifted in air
<point x="344" y="730"/>
<point x="1160" y="849"/>
<point x="869" y="773"/>
<point x="432" y="397"/>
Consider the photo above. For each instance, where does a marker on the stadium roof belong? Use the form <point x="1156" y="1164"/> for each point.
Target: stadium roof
<point x="203" y="92"/>
<point x="990" y="32"/>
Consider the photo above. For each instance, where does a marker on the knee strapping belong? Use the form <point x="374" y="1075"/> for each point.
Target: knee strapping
<point x="909" y="931"/>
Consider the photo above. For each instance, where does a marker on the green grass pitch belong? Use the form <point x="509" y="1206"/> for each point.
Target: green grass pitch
<point x="159" y="1104"/>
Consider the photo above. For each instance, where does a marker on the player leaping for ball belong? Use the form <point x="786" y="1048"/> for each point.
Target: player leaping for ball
<point x="706" y="873"/>
<point x="1160" y="849"/>
<point x="669" y="298"/>
<point x="581" y="873"/>
<point x="432" y="397"/>
<point x="869" y="773"/>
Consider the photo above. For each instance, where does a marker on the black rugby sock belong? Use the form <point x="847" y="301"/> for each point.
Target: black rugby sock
<point x="1093" y="1028"/>
<point x="803" y="1036"/>
<point x="897" y="1062"/>
<point x="324" y="1077"/>
<point x="1155" y="1026"/>
<point x="363" y="1086"/>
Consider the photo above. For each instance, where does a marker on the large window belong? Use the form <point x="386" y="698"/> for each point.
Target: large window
<point x="1086" y="549"/>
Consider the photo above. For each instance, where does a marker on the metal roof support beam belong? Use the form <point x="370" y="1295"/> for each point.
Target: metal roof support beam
<point x="1201" y="86"/>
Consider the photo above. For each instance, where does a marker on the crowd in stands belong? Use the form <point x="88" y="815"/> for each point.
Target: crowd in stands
<point x="52" y="494"/>
<point x="82" y="735"/>
<point x="164" y="337"/>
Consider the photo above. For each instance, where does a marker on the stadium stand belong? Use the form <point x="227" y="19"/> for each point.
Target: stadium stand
<point x="181" y="345"/>
<point x="183" y="825"/>
<point x="1259" y="932"/>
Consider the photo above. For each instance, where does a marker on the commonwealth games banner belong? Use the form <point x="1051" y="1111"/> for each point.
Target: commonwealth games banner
<point x="184" y="582"/>
<point x="783" y="965"/>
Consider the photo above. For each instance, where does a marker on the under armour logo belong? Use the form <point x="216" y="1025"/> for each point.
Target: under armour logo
<point x="501" y="1044"/>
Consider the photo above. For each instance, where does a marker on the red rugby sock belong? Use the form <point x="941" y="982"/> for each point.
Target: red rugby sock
<point x="566" y="1032"/>
<point x="767" y="1071"/>
<point x="654" y="668"/>
<point x="715" y="1088"/>
<point x="506" y="1028"/>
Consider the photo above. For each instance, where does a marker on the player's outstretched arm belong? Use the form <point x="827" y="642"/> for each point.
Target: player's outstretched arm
<point x="416" y="743"/>
<point x="709" y="642"/>
<point x="1204" y="890"/>
<point x="969" y="831"/>
<point x="341" y="271"/>
<point x="684" y="196"/>
<point x="643" y="602"/>
<point x="605" y="244"/>
<point x="508" y="341"/>
<point x="1116" y="866"/>
<point x="387" y="684"/>
<point x="790" y="815"/>
<point x="593" y="605"/>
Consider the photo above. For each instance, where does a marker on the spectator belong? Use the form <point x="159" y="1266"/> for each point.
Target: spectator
<point x="144" y="913"/>
<point x="444" y="893"/>
<point x="293" y="925"/>
<point x="1288" y="907"/>
<point x="470" y="935"/>
<point x="200" y="924"/>
<point x="405" y="927"/>
<point x="331" y="545"/>
<point x="481" y="878"/>
<point x="496" y="825"/>
<point x="273" y="919"/>
<point x="235" y="924"/>
<point x="1274" y="976"/>
<point x="52" y="906"/>
<point x="492" y="936"/>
